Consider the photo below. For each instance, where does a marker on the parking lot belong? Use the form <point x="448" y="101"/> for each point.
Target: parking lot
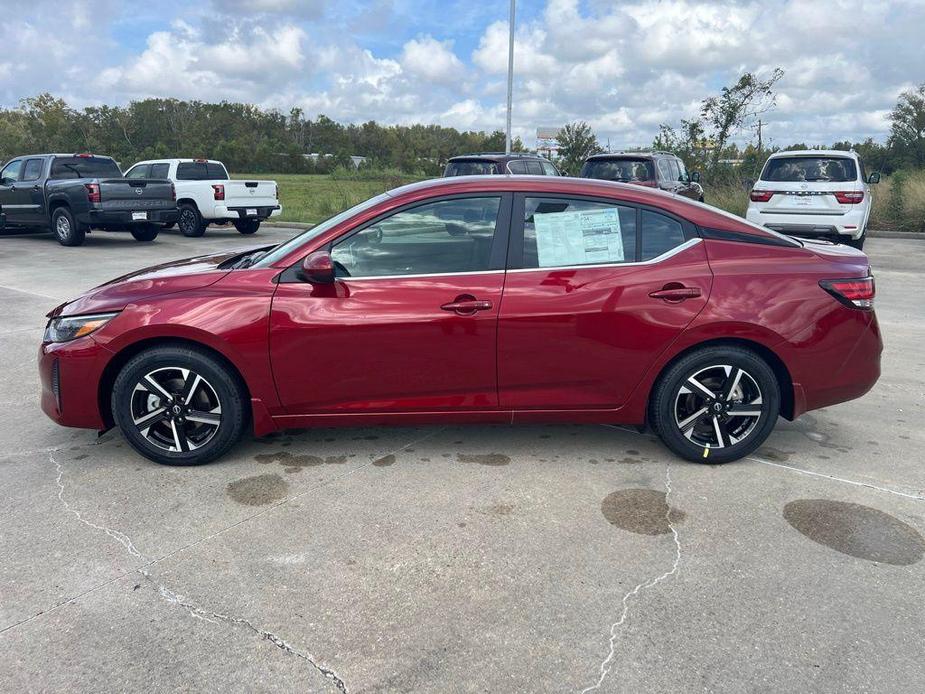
<point x="503" y="559"/>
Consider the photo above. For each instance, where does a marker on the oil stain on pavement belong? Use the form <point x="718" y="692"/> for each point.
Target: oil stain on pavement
<point x="295" y="463"/>
<point x="385" y="461"/>
<point x="493" y="459"/>
<point x="259" y="490"/>
<point x="641" y="511"/>
<point x="856" y="530"/>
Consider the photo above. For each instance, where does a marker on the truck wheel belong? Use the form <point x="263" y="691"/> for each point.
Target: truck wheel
<point x="190" y="221"/>
<point x="145" y="232"/>
<point x="66" y="229"/>
<point x="247" y="226"/>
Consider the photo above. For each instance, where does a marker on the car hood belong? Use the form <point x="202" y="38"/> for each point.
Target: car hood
<point x="169" y="278"/>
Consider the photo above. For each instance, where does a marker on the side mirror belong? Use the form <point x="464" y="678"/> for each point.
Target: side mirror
<point x="317" y="268"/>
<point x="874" y="177"/>
<point x="6" y="181"/>
<point x="695" y="177"/>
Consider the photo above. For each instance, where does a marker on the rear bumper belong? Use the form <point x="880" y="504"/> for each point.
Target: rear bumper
<point x="849" y="224"/>
<point x="124" y="217"/>
<point x="850" y="348"/>
<point x="236" y="212"/>
<point x="70" y="374"/>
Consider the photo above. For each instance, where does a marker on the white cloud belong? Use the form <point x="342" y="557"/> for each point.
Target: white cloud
<point x="432" y="60"/>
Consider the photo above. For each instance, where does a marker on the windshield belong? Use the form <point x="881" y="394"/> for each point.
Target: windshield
<point x="469" y="168"/>
<point x="624" y="170"/>
<point x="84" y="167"/>
<point x="825" y="169"/>
<point x="285" y="249"/>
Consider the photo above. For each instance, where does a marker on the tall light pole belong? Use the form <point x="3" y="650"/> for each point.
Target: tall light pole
<point x="510" y="81"/>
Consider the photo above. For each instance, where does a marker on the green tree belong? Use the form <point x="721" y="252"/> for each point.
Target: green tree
<point x="907" y="130"/>
<point x="576" y="142"/>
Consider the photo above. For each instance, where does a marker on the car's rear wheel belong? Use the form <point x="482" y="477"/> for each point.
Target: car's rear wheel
<point x="190" y="221"/>
<point x="67" y="230"/>
<point x="178" y="405"/>
<point x="247" y="226"/>
<point x="145" y="232"/>
<point x="716" y="405"/>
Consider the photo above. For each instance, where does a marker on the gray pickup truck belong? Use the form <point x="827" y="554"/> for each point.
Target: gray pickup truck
<point x="71" y="194"/>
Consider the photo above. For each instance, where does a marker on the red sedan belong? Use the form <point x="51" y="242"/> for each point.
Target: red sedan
<point x="476" y="299"/>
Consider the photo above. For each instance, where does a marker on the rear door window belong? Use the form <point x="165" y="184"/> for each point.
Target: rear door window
<point x="192" y="171"/>
<point x="567" y="232"/>
<point x="469" y="168"/>
<point x="811" y="169"/>
<point x="159" y="171"/>
<point x="32" y="171"/>
<point x="518" y="166"/>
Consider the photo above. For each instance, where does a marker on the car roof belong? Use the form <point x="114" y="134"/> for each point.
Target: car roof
<point x="815" y="153"/>
<point x="497" y="157"/>
<point x="604" y="156"/>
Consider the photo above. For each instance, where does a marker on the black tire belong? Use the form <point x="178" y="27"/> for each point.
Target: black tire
<point x="247" y="226"/>
<point x="203" y="433"/>
<point x="190" y="222"/>
<point x="66" y="229"/>
<point x="674" y="407"/>
<point x="857" y="243"/>
<point x="700" y="199"/>
<point x="145" y="232"/>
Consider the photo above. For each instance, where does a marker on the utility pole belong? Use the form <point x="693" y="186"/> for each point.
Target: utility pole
<point x="510" y="81"/>
<point x="759" y="137"/>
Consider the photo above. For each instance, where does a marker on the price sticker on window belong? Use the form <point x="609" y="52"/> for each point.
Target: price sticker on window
<point x="578" y="238"/>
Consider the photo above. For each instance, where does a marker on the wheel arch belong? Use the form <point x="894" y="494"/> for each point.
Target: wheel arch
<point x="187" y="200"/>
<point x="122" y="357"/>
<point x="781" y="372"/>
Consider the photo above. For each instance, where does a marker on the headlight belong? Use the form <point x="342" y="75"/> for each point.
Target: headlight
<point x="68" y="328"/>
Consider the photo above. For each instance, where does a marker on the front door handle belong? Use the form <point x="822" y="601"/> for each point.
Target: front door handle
<point x="676" y="293"/>
<point x="466" y="305"/>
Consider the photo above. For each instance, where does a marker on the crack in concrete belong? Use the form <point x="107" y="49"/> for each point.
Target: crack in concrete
<point x="606" y="665"/>
<point x="172" y="597"/>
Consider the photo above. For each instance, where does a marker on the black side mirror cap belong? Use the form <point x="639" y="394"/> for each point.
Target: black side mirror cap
<point x="695" y="177"/>
<point x="874" y="177"/>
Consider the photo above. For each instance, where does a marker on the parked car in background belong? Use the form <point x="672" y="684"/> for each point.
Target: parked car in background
<point x="72" y="194"/>
<point x="661" y="170"/>
<point x="621" y="305"/>
<point x="207" y="195"/>
<point x="490" y="163"/>
<point x="814" y="193"/>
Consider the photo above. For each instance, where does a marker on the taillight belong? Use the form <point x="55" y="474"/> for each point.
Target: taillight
<point x="218" y="191"/>
<point x="761" y="195"/>
<point x="173" y="192"/>
<point x="93" y="192"/>
<point x="854" y="292"/>
<point x="849" y="197"/>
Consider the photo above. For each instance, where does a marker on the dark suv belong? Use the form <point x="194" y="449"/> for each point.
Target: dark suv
<point x="489" y="163"/>
<point x="652" y="169"/>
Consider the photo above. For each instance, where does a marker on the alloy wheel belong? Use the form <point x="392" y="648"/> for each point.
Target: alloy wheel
<point x="176" y="409"/>
<point x="62" y="226"/>
<point x="187" y="221"/>
<point x="718" y="406"/>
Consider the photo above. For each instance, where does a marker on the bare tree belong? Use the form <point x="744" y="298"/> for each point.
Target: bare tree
<point x="736" y="107"/>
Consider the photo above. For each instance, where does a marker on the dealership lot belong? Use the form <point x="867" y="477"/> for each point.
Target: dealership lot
<point x="458" y="558"/>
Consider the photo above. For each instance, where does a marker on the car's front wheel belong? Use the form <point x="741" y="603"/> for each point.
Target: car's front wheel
<point x="716" y="404"/>
<point x="190" y="221"/>
<point x="179" y="405"/>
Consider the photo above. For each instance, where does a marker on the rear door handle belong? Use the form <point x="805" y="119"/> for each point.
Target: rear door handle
<point x="676" y="293"/>
<point x="466" y="305"/>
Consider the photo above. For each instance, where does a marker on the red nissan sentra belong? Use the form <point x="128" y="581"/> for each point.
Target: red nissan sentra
<point x="476" y="299"/>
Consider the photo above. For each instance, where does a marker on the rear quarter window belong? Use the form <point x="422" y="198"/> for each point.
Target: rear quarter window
<point x="159" y="171"/>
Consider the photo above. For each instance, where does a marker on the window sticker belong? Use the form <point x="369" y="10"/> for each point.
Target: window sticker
<point x="578" y="238"/>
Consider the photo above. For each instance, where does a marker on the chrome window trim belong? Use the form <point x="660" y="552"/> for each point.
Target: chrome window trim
<point x="690" y="243"/>
<point x="427" y="274"/>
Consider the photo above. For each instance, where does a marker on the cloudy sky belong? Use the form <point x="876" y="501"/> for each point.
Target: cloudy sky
<point x="624" y="66"/>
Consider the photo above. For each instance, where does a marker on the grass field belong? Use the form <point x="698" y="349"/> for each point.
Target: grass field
<point x="899" y="200"/>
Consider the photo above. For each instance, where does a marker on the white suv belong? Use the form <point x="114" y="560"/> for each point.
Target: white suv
<point x="814" y="193"/>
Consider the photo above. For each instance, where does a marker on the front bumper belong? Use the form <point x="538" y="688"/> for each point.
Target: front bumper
<point x="70" y="374"/>
<point x="124" y="218"/>
<point x="849" y="224"/>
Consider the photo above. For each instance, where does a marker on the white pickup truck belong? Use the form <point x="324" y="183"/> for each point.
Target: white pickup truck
<point x="206" y="194"/>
